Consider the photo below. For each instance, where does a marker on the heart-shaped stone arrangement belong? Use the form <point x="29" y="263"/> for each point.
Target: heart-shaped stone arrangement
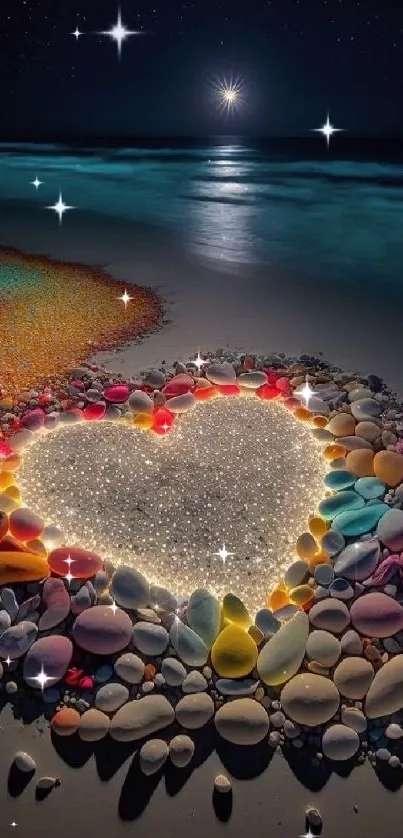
<point x="325" y="648"/>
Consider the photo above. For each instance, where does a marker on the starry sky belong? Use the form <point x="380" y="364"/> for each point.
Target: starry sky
<point x="295" y="59"/>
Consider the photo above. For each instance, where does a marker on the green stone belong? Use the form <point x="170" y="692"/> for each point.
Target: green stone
<point x="360" y="521"/>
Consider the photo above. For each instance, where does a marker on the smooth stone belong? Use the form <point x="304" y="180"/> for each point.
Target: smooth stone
<point x="129" y="668"/>
<point x="324" y="574"/>
<point x="235" y="611"/>
<point x="194" y="711"/>
<point x="194" y="682"/>
<point x="129" y="588"/>
<point x="103" y="631"/>
<point x="85" y="563"/>
<point x="153" y="755"/>
<point x="57" y="601"/>
<point x="282" y="656"/>
<point x="110" y="697"/>
<point x="342" y="424"/>
<point x="370" y="488"/>
<point x="266" y="622"/>
<point x="354" y="443"/>
<point x="182" y="403"/>
<point x="360" y="521"/>
<point x="377" y="615"/>
<point x="221" y="374"/>
<point x="17" y="640"/>
<point x="5" y="621"/>
<point x="390" y="530"/>
<point x="296" y="574"/>
<point x="359" y="393"/>
<point x="353" y="677"/>
<point x="332" y="542"/>
<point x="222" y="785"/>
<point x="310" y="699"/>
<point x="9" y="603"/>
<point x="162" y="600"/>
<point x="252" y="380"/>
<point x="340" y="743"/>
<point x="351" y="643"/>
<point x="365" y="409"/>
<point x="116" y="393"/>
<point x="80" y="601"/>
<point x="140" y="402"/>
<point x="388" y="466"/>
<point x="45" y="785"/>
<point x="234" y="652"/>
<point x="141" y="718"/>
<point x="94" y="725"/>
<point x="370" y="431"/>
<point x="51" y="655"/>
<point x="394" y="731"/>
<point x="330" y="615"/>
<point x="181" y="750"/>
<point x="230" y="686"/>
<point x="242" y="722"/>
<point x="150" y="639"/>
<point x="285" y="613"/>
<point x="306" y="546"/>
<point x="323" y="647"/>
<point x="354" y="718"/>
<point x="66" y="721"/>
<point x="24" y="762"/>
<point x="385" y="695"/>
<point x="337" y="481"/>
<point x="155" y="379"/>
<point x="361" y="462"/>
<point x="173" y="671"/>
<point x="358" y="560"/>
<point x="204" y="615"/>
<point x="339" y="503"/>
<point x="190" y="648"/>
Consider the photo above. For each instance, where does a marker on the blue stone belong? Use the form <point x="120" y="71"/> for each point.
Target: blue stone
<point x="51" y="695"/>
<point x="360" y="521"/>
<point x="339" y="503"/>
<point x="324" y="574"/>
<point x="332" y="542"/>
<point x="339" y="480"/>
<point x="103" y="674"/>
<point x="370" y="488"/>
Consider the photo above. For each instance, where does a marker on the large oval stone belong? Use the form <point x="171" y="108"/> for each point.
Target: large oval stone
<point x="282" y="656"/>
<point x="234" y="653"/>
<point x="49" y="655"/>
<point x="242" y="722"/>
<point x="365" y="409"/>
<point x="16" y="640"/>
<point x="323" y="647"/>
<point x="390" y="530"/>
<point x="388" y="466"/>
<point x="82" y="564"/>
<point x="103" y="630"/>
<point x="377" y="615"/>
<point x="204" y="615"/>
<point x="358" y="561"/>
<point x="353" y="677"/>
<point x="141" y="718"/>
<point x="194" y="711"/>
<point x="385" y="695"/>
<point x="130" y="588"/>
<point x="330" y="615"/>
<point x="191" y="649"/>
<point x="150" y="639"/>
<point x="310" y="699"/>
<point x="340" y="743"/>
<point x="338" y="503"/>
<point x="370" y="488"/>
<point x="360" y="521"/>
<point x="338" y="481"/>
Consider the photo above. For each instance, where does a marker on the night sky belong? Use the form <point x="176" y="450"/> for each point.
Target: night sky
<point x="296" y="60"/>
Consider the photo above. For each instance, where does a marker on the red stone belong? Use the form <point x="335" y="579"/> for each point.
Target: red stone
<point x="203" y="393"/>
<point x="86" y="683"/>
<point x="178" y="385"/>
<point x="94" y="411"/>
<point x="84" y="564"/>
<point x="117" y="393"/>
<point x="267" y="392"/>
<point x="33" y="419"/>
<point x="229" y="389"/>
<point x="5" y="451"/>
<point x="10" y="544"/>
<point x="283" y="384"/>
<point x="78" y="384"/>
<point x="73" y="676"/>
<point x="163" y="420"/>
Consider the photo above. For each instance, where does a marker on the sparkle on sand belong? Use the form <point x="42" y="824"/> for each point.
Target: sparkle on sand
<point x="239" y="472"/>
<point x="53" y="315"/>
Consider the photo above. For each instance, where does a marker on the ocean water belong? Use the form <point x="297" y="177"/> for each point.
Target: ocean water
<point x="295" y="206"/>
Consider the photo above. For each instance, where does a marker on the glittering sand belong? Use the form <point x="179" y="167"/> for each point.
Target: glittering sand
<point x="53" y="315"/>
<point x="167" y="505"/>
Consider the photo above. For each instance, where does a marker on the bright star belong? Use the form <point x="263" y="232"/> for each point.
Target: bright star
<point x="306" y="392"/>
<point x="8" y="661"/>
<point x="76" y="33"/>
<point x="13" y="824"/>
<point x="36" y="182"/>
<point x="119" y="33"/>
<point x="42" y="679"/>
<point x="125" y="298"/>
<point x="328" y="130"/>
<point x="230" y="94"/>
<point x="114" y="607"/>
<point x="223" y="554"/>
<point x="199" y="361"/>
<point x="60" y="208"/>
<point x="307" y="834"/>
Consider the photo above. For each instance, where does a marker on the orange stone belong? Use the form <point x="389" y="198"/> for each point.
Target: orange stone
<point x="361" y="462"/>
<point x="6" y="480"/>
<point x="21" y="567"/>
<point x="3" y="524"/>
<point x="388" y="466"/>
<point x="149" y="672"/>
<point x="317" y="526"/>
<point x="333" y="451"/>
<point x="319" y="421"/>
<point x="278" y="598"/>
<point x="303" y="414"/>
<point x="12" y="462"/>
<point x="319" y="558"/>
<point x="66" y="721"/>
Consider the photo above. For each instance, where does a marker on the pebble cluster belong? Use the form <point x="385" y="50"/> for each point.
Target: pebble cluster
<point x="320" y="664"/>
<point x="43" y="333"/>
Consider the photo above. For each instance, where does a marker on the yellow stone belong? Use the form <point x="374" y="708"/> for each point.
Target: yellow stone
<point x="235" y="611"/>
<point x="143" y="421"/>
<point x="319" y="558"/>
<point x="6" y="480"/>
<point x="234" y="653"/>
<point x="256" y="634"/>
<point x="278" y="598"/>
<point x="317" y="526"/>
<point x="361" y="462"/>
<point x="13" y="492"/>
<point x="303" y="414"/>
<point x="12" y="462"/>
<point x="36" y="546"/>
<point x="301" y="595"/>
<point x="388" y="466"/>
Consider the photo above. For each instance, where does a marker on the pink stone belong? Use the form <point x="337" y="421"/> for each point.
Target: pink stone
<point x="103" y="630"/>
<point x="178" y="385"/>
<point x="33" y="420"/>
<point x="118" y="393"/>
<point x="377" y="615"/>
<point x="50" y="655"/>
<point x="57" y="601"/>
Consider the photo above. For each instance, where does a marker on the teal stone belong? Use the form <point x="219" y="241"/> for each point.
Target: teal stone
<point x="339" y="503"/>
<point x="204" y="615"/>
<point x="339" y="480"/>
<point x="360" y="521"/>
<point x="190" y="648"/>
<point x="370" y="488"/>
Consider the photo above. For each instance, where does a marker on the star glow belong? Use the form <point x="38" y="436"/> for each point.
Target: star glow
<point x="76" y="33"/>
<point x="60" y="208"/>
<point x="125" y="298"/>
<point x="229" y="94"/>
<point x="119" y="33"/>
<point x="328" y="130"/>
<point x="36" y="182"/>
